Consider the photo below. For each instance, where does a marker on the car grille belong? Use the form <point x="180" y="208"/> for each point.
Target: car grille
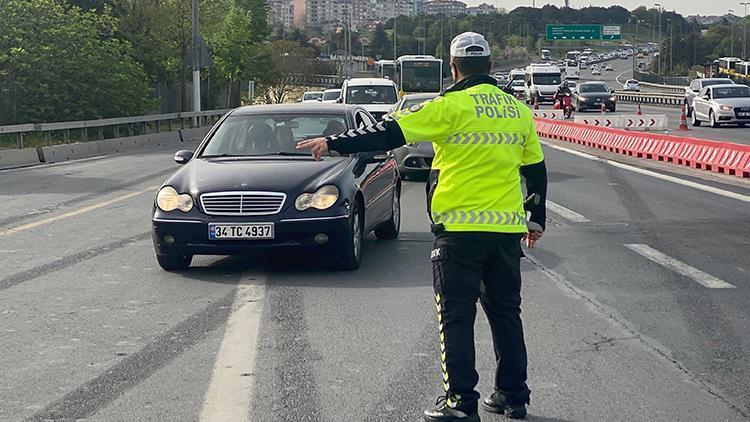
<point x="242" y="203"/>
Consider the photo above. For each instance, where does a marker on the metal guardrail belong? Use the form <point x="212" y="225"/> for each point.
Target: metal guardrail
<point x="678" y="89"/>
<point x="650" y="98"/>
<point x="194" y="119"/>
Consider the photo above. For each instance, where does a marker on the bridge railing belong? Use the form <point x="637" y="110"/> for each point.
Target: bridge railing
<point x="130" y="125"/>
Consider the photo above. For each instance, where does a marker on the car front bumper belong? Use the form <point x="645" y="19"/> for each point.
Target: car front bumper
<point x="731" y="116"/>
<point x="191" y="235"/>
<point x="597" y="103"/>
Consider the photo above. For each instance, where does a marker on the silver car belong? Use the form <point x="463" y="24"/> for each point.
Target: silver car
<point x="696" y="85"/>
<point x="719" y="104"/>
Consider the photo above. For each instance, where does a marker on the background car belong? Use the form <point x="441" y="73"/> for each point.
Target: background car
<point x="310" y="96"/>
<point x="248" y="188"/>
<point x="608" y="68"/>
<point x="376" y="95"/>
<point x="331" y="95"/>
<point x="631" y="85"/>
<point x="718" y="104"/>
<point x="415" y="160"/>
<point x="573" y="85"/>
<point x="595" y="71"/>
<point x="591" y="95"/>
<point x="695" y="87"/>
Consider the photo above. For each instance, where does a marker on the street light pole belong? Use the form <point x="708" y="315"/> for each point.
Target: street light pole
<point x="658" y="39"/>
<point x="744" y="30"/>
<point x="395" y="12"/>
<point x="671" y="45"/>
<point x="635" y="43"/>
<point x="196" y="62"/>
<point x="731" y="38"/>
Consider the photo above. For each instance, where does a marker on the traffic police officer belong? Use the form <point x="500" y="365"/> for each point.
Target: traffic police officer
<point x="484" y="141"/>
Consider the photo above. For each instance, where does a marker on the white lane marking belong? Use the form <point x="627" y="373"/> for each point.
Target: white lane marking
<point x="688" y="183"/>
<point x="679" y="267"/>
<point x="75" y="212"/>
<point x="229" y="393"/>
<point x="566" y="213"/>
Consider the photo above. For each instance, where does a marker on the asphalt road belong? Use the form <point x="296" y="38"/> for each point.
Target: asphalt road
<point x="91" y="328"/>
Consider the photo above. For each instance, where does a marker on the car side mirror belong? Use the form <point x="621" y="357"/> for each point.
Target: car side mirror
<point x="319" y="99"/>
<point x="183" y="156"/>
<point x="339" y="100"/>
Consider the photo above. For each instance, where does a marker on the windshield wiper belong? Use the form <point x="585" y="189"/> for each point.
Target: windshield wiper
<point x="222" y="155"/>
<point x="289" y="154"/>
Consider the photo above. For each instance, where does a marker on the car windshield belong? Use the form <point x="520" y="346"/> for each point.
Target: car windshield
<point x="371" y="94"/>
<point x="517" y="82"/>
<point x="547" y="79"/>
<point x="632" y="81"/>
<point x="331" y="95"/>
<point x="312" y="96"/>
<point x="710" y="82"/>
<point x="731" y="92"/>
<point x="594" y="88"/>
<point x="270" y="134"/>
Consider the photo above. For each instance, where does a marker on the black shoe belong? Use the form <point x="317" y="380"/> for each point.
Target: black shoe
<point x="443" y="413"/>
<point x="498" y="403"/>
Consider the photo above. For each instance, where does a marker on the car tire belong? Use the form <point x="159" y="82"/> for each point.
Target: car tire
<point x="694" y="120"/>
<point x="351" y="257"/>
<point x="174" y="262"/>
<point x="712" y="119"/>
<point x="390" y="229"/>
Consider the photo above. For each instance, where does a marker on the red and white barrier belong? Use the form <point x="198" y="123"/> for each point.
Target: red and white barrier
<point x="720" y="157"/>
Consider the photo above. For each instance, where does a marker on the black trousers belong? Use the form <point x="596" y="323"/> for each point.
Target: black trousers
<point x="468" y="266"/>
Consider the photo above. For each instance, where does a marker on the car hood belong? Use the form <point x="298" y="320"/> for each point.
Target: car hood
<point x="734" y="102"/>
<point x="273" y="174"/>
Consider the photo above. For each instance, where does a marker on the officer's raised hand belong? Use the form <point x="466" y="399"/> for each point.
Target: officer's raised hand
<point x="318" y="146"/>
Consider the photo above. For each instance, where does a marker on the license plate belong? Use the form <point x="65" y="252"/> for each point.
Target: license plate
<point x="220" y="231"/>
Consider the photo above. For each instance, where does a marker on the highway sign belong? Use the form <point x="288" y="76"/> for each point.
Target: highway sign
<point x="611" y="32"/>
<point x="574" y="32"/>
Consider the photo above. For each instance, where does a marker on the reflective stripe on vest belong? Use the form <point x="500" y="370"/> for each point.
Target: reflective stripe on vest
<point x="483" y="138"/>
<point x="479" y="217"/>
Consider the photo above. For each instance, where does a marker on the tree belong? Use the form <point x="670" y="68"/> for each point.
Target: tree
<point x="291" y="61"/>
<point x="62" y="63"/>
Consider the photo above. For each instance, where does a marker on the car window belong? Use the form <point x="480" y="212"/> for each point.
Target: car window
<point x="695" y="86"/>
<point x="270" y="134"/>
<point x="546" y="79"/>
<point x="312" y="96"/>
<point x="331" y="95"/>
<point x="710" y="82"/>
<point x="371" y="94"/>
<point x="731" y="91"/>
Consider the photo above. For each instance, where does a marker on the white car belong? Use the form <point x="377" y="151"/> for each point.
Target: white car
<point x="696" y="85"/>
<point x="573" y="86"/>
<point x="718" y="104"/>
<point x="595" y="71"/>
<point x="609" y="68"/>
<point x="376" y="95"/>
<point x="631" y="85"/>
<point x="331" y="95"/>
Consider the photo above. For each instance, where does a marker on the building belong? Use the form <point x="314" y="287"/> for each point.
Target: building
<point x="482" y="9"/>
<point x="281" y="12"/>
<point x="446" y="7"/>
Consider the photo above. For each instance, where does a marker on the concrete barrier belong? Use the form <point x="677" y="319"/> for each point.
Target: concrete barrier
<point x="10" y="158"/>
<point x="721" y="157"/>
<point x="57" y="153"/>
<point x="625" y="121"/>
<point x="194" y="134"/>
<point x="549" y="114"/>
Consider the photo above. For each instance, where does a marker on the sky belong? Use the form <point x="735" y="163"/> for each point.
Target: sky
<point x="683" y="7"/>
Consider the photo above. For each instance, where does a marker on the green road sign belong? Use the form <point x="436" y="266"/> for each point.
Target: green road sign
<point x="611" y="32"/>
<point x="574" y="32"/>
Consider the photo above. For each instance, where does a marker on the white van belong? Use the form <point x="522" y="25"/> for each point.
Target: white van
<point x="542" y="81"/>
<point x="376" y="95"/>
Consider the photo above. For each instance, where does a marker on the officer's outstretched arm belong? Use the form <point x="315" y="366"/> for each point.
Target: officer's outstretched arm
<point x="426" y="122"/>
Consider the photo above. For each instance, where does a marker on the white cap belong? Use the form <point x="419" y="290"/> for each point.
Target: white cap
<point x="470" y="44"/>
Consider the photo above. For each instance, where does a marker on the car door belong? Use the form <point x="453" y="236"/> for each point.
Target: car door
<point x="700" y="104"/>
<point x="379" y="178"/>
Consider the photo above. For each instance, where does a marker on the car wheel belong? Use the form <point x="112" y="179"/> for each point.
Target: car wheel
<point x="174" y="262"/>
<point x="391" y="228"/>
<point x="712" y="119"/>
<point x="695" y="121"/>
<point x="351" y="257"/>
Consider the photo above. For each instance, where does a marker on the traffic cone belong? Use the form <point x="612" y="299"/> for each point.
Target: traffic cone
<point x="683" y="119"/>
<point x="536" y="102"/>
<point x="638" y="110"/>
<point x="604" y="107"/>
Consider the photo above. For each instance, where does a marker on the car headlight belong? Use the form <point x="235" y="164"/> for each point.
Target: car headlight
<point x="169" y="200"/>
<point x="323" y="198"/>
<point x="725" y="107"/>
<point x="612" y="98"/>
